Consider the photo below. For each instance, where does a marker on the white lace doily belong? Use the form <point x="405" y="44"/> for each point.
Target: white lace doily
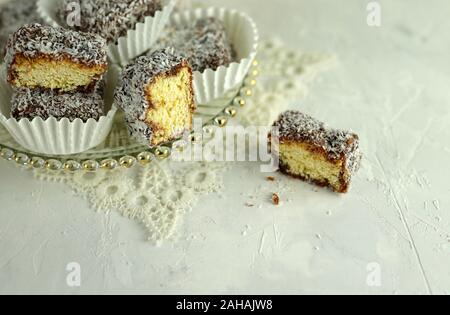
<point x="160" y="194"/>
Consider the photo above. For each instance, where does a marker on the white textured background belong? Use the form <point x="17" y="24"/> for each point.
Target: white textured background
<point x="391" y="86"/>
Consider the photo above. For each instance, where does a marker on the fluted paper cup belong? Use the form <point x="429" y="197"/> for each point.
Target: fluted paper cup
<point x="135" y="43"/>
<point x="58" y="137"/>
<point x="243" y="34"/>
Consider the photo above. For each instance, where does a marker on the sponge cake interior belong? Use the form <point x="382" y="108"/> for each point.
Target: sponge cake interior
<point x="171" y="104"/>
<point x="63" y="75"/>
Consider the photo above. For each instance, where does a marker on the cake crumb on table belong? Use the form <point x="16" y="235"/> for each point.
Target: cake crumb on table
<point x="276" y="199"/>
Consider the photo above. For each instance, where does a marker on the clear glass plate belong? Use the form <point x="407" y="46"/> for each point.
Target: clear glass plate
<point x="119" y="150"/>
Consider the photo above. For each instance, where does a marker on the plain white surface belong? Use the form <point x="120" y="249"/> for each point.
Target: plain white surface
<point x="391" y="86"/>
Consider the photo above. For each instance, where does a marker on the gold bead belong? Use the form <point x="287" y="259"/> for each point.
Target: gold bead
<point x="144" y="158"/>
<point x="250" y="82"/>
<point x="255" y="63"/>
<point x="127" y="161"/>
<point x="255" y="73"/>
<point x="22" y="159"/>
<point x="90" y="166"/>
<point x="109" y="164"/>
<point x="231" y="111"/>
<point x="162" y="153"/>
<point x="72" y="166"/>
<point x="246" y="92"/>
<point x="239" y="101"/>
<point x="53" y="165"/>
<point x="221" y="121"/>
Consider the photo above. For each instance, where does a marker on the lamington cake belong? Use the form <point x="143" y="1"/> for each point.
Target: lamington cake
<point x="32" y="103"/>
<point x="311" y="151"/>
<point x="156" y="93"/>
<point x="110" y="19"/>
<point x="13" y="15"/>
<point x="54" y="58"/>
<point x="205" y="44"/>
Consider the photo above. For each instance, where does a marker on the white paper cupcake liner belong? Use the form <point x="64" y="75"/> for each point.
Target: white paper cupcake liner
<point x="58" y="137"/>
<point x="243" y="34"/>
<point x="135" y="43"/>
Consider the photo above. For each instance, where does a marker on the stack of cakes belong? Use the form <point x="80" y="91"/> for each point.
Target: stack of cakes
<point x="56" y="73"/>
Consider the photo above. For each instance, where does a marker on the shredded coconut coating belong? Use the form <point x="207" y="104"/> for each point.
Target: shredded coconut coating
<point x="205" y="44"/>
<point x="109" y="18"/>
<point x="130" y="94"/>
<point x="13" y="15"/>
<point x="337" y="144"/>
<point x="36" y="40"/>
<point x="32" y="103"/>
